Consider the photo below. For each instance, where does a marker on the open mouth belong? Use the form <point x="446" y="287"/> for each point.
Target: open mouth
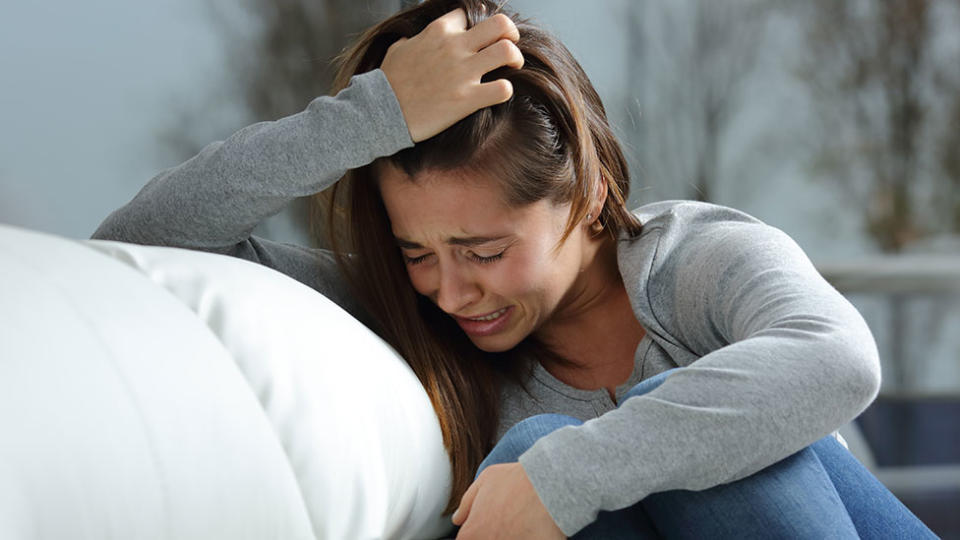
<point x="488" y="317"/>
<point x="486" y="325"/>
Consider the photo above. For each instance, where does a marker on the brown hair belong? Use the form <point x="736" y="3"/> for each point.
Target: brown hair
<point x="551" y="140"/>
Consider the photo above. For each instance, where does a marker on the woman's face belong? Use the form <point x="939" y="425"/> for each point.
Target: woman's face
<point x="490" y="266"/>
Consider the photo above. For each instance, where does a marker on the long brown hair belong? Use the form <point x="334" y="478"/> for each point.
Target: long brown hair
<point x="551" y="140"/>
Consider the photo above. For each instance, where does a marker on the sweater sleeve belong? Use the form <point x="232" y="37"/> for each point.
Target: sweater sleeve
<point x="784" y="360"/>
<point x="213" y="201"/>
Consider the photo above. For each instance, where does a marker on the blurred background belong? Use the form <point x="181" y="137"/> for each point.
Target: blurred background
<point x="836" y="121"/>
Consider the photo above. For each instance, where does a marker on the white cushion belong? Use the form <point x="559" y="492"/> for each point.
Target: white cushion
<point x="121" y="414"/>
<point x="356" y="424"/>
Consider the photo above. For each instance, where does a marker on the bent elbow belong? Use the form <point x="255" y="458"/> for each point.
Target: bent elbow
<point x="868" y="380"/>
<point x="860" y="376"/>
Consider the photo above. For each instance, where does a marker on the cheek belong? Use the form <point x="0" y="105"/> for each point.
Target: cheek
<point x="419" y="280"/>
<point x="525" y="275"/>
<point x="548" y="275"/>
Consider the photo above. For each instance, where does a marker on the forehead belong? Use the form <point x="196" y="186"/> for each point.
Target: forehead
<point x="464" y="198"/>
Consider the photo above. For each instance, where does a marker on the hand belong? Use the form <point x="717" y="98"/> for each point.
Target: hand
<point x="501" y="503"/>
<point x="436" y="73"/>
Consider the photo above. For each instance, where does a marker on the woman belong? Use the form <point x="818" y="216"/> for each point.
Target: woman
<point x="484" y="210"/>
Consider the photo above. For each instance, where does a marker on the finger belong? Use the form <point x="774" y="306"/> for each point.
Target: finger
<point x="501" y="53"/>
<point x="452" y="21"/>
<point x="492" y="93"/>
<point x="491" y="30"/>
<point x="465" y="503"/>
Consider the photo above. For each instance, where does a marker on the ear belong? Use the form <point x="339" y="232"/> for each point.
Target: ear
<point x="600" y="196"/>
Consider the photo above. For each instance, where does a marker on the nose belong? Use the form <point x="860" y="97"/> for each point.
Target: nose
<point x="457" y="289"/>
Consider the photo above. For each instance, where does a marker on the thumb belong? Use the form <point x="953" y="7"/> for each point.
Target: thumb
<point x="460" y="515"/>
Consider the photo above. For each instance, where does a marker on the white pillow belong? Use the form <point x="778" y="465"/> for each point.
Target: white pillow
<point x="361" y="435"/>
<point x="121" y="414"/>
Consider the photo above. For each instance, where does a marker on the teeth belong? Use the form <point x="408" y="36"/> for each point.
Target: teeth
<point x="491" y="316"/>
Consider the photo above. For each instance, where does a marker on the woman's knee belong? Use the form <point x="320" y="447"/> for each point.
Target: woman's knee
<point x="793" y="498"/>
<point x="519" y="438"/>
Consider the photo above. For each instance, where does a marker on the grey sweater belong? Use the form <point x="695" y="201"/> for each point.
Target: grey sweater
<point x="774" y="357"/>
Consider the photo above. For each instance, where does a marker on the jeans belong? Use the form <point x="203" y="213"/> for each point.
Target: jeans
<point x="820" y="492"/>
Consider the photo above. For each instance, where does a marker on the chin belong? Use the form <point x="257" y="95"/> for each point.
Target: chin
<point x="493" y="345"/>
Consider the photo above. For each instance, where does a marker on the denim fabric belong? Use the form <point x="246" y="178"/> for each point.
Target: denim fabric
<point x="820" y="492"/>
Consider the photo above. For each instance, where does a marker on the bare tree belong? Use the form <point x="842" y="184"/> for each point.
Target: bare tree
<point x="947" y="85"/>
<point x="288" y="63"/>
<point x="884" y="78"/>
<point x="889" y="100"/>
<point x="686" y="72"/>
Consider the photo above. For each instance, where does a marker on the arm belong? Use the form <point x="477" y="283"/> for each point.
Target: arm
<point x="213" y="201"/>
<point x="785" y="361"/>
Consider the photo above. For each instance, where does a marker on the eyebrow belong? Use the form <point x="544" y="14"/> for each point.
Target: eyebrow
<point x="469" y="241"/>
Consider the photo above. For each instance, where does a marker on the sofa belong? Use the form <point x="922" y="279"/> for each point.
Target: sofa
<point x="153" y="392"/>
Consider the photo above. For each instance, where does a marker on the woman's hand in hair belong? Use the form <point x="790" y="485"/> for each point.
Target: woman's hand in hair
<point x="501" y="503"/>
<point x="436" y="73"/>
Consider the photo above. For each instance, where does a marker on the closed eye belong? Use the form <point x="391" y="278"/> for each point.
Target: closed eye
<point x="487" y="260"/>
<point x="415" y="260"/>
<point x="476" y="258"/>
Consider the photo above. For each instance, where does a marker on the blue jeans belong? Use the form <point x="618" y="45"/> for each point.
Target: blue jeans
<point x="820" y="492"/>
